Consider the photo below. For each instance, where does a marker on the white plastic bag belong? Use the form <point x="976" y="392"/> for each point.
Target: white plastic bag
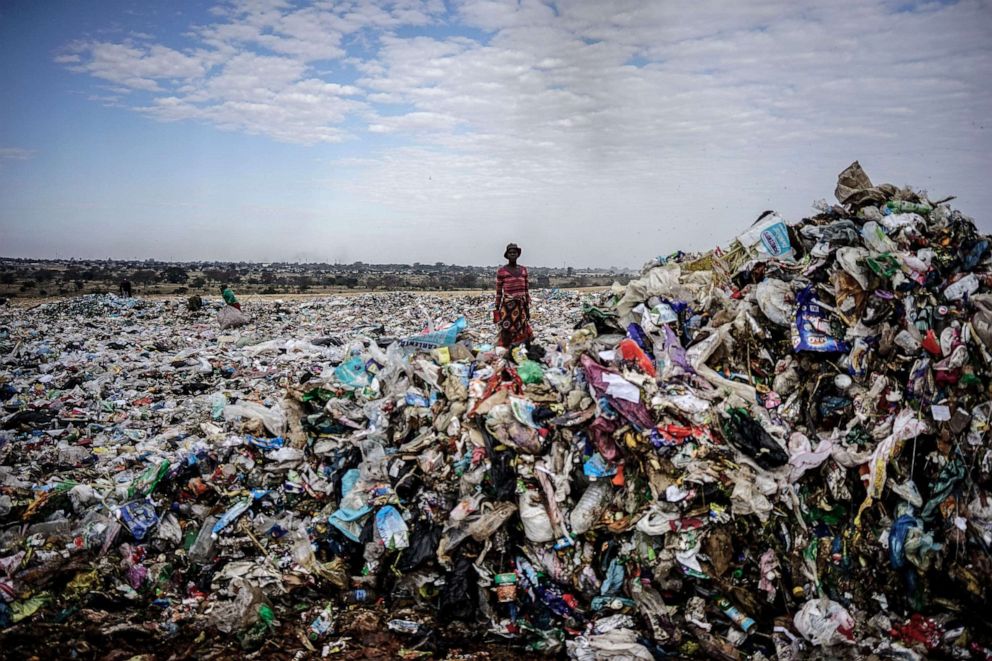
<point x="274" y="419"/>
<point x="776" y="301"/>
<point x="852" y="259"/>
<point x="537" y="523"/>
<point x="824" y="622"/>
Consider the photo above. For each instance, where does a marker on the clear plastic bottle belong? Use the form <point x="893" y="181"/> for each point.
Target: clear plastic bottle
<point x="56" y="527"/>
<point x="202" y="549"/>
<point x="588" y="508"/>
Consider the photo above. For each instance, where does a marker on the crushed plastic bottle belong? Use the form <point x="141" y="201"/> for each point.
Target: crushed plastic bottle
<point x="589" y="506"/>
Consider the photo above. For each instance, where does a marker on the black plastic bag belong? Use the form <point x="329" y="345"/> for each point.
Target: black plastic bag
<point x="423" y="546"/>
<point x="458" y="596"/>
<point x="747" y="435"/>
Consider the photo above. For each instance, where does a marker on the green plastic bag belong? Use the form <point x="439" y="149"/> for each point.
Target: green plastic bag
<point x="884" y="265"/>
<point x="530" y="372"/>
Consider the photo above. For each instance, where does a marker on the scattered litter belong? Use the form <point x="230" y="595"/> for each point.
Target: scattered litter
<point x="773" y="450"/>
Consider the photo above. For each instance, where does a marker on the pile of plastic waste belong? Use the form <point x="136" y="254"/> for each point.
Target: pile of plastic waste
<point x="773" y="450"/>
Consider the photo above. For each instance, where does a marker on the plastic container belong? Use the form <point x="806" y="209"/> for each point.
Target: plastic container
<point x="589" y="507"/>
<point x="902" y="206"/>
<point x="201" y="552"/>
<point x="358" y="596"/>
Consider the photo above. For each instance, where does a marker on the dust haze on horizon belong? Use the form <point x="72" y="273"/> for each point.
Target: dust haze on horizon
<point x="591" y="133"/>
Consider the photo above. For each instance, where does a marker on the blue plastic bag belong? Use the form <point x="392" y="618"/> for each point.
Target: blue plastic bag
<point x="352" y="372"/>
<point x="596" y="467"/>
<point x="438" y="338"/>
<point x="345" y="519"/>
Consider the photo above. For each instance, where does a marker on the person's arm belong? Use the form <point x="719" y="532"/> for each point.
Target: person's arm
<point x="499" y="294"/>
<point x="526" y="293"/>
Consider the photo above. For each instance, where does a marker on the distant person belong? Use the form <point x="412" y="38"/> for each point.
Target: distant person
<point x="126" y="288"/>
<point x="229" y="297"/>
<point x="512" y="315"/>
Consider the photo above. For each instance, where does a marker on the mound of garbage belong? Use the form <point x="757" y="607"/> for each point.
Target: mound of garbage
<point x="773" y="450"/>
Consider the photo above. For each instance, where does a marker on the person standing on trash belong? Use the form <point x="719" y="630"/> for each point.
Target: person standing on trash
<point x="126" y="288"/>
<point x="512" y="314"/>
<point x="229" y="297"/>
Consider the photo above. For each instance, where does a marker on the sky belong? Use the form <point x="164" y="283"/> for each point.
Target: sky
<point x="592" y="133"/>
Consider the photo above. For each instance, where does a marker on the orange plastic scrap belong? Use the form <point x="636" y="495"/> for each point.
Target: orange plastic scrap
<point x="618" y="479"/>
<point x="35" y="505"/>
<point x="632" y="353"/>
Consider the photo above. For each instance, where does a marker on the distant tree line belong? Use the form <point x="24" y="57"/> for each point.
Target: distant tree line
<point x="54" y="277"/>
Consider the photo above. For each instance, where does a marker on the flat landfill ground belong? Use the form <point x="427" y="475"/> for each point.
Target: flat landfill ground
<point x="122" y="374"/>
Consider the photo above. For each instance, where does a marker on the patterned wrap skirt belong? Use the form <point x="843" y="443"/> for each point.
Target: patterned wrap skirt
<point x="514" y="327"/>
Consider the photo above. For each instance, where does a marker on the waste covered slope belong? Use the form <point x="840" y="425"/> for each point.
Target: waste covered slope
<point x="776" y="449"/>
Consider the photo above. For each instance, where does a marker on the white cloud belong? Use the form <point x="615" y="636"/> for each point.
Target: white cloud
<point x="643" y="112"/>
<point x="136" y="67"/>
<point x="751" y="93"/>
<point x="414" y="122"/>
<point x="254" y="70"/>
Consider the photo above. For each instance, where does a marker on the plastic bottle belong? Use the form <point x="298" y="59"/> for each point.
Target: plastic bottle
<point x="744" y="622"/>
<point x="202" y="549"/>
<point x="964" y="287"/>
<point x="506" y="587"/>
<point x="56" y="527"/>
<point x="587" y="509"/>
<point x="902" y="206"/>
<point x="358" y="596"/>
<point x="230" y="515"/>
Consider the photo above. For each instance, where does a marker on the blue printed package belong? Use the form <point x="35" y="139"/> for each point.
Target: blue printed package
<point x="812" y="329"/>
<point x="768" y="239"/>
<point x="138" y="516"/>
